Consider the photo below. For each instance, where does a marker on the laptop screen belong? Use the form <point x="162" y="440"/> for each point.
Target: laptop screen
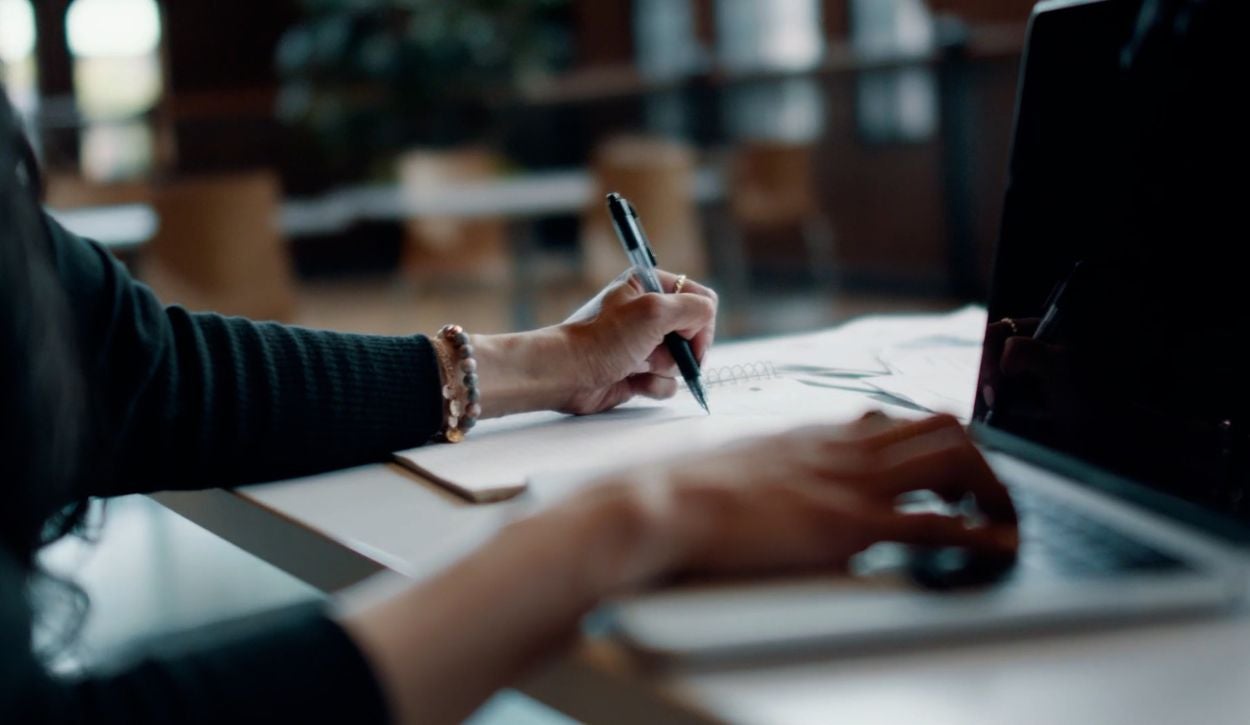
<point x="1119" y="307"/>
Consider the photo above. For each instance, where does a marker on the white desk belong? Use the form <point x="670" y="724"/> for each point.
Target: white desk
<point x="337" y="528"/>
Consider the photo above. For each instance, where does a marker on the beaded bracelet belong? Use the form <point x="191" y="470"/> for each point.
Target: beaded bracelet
<point x="460" y="391"/>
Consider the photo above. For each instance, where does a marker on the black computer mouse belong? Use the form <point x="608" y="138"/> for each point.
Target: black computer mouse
<point x="945" y="568"/>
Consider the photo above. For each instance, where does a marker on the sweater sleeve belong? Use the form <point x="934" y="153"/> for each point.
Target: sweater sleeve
<point x="191" y="400"/>
<point x="289" y="665"/>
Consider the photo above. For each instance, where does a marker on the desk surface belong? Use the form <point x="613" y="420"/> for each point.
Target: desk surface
<point x="336" y="528"/>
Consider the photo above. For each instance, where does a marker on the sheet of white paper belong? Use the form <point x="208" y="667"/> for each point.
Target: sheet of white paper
<point x="830" y="376"/>
<point x="852" y="351"/>
<point x="500" y="455"/>
<point x="938" y="377"/>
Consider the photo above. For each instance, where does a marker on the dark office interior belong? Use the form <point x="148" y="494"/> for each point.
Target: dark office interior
<point x="814" y="160"/>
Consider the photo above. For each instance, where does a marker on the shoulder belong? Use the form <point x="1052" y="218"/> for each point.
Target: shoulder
<point x="75" y="258"/>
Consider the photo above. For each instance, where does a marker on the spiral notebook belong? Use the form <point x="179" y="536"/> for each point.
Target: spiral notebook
<point x="500" y="456"/>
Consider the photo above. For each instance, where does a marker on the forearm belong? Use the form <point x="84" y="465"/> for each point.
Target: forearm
<point x="521" y="372"/>
<point x="232" y="401"/>
<point x="190" y="400"/>
<point x="442" y="647"/>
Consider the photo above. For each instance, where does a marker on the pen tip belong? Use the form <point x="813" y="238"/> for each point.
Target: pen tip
<point x="701" y="398"/>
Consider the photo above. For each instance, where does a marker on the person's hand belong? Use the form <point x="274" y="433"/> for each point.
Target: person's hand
<point x="606" y="353"/>
<point x="810" y="498"/>
<point x="616" y="341"/>
<point x="1030" y="377"/>
<point x="997" y="337"/>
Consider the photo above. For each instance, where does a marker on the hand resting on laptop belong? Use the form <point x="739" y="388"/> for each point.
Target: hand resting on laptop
<point x="810" y="498"/>
<point x="815" y="497"/>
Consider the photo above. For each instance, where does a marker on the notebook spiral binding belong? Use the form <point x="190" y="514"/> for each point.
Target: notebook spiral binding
<point x="739" y="374"/>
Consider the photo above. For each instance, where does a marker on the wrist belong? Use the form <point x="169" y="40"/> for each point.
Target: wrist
<point x="521" y="372"/>
<point x="628" y="532"/>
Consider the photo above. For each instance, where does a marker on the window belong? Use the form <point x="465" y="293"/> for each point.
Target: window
<point x="664" y="34"/>
<point x="892" y="29"/>
<point x="17" y="52"/>
<point x="774" y="35"/>
<point x="779" y="35"/>
<point x="115" y="45"/>
<point x="899" y="104"/>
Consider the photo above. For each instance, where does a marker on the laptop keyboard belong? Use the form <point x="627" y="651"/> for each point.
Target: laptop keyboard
<point x="1057" y="538"/>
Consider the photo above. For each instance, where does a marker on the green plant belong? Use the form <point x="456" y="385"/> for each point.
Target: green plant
<point x="366" y="78"/>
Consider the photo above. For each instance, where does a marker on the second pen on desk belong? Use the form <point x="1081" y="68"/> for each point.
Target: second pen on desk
<point x="629" y="230"/>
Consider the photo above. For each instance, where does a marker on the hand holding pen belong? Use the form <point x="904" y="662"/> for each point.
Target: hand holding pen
<point x="1028" y="348"/>
<point x="638" y="250"/>
<point x="617" y="341"/>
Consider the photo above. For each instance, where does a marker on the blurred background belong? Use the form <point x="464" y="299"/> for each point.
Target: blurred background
<point x="391" y="165"/>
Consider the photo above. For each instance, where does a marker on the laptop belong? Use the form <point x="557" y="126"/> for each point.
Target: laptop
<point x="1113" y="389"/>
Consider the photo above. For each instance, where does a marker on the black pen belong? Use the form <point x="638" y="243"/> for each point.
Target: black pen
<point x="629" y="230"/>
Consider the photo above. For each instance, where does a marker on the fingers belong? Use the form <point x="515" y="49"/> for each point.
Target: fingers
<point x="851" y="451"/>
<point x="701" y="337"/>
<point x="652" y="386"/>
<point x="1022" y="355"/>
<point x="1018" y="327"/>
<point x="885" y="457"/>
<point x="838" y="517"/>
<point x="618" y="291"/>
<point x="691" y="316"/>
<point x="661" y="362"/>
<point x="997" y="336"/>
<point x="668" y="281"/>
<point x="883" y="431"/>
<point x="945" y="462"/>
<point x="936" y="530"/>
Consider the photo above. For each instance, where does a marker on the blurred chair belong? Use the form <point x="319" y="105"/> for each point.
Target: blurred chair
<point x="658" y="178"/>
<point x="220" y="248"/>
<point x="773" y="207"/>
<point x="446" y="247"/>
